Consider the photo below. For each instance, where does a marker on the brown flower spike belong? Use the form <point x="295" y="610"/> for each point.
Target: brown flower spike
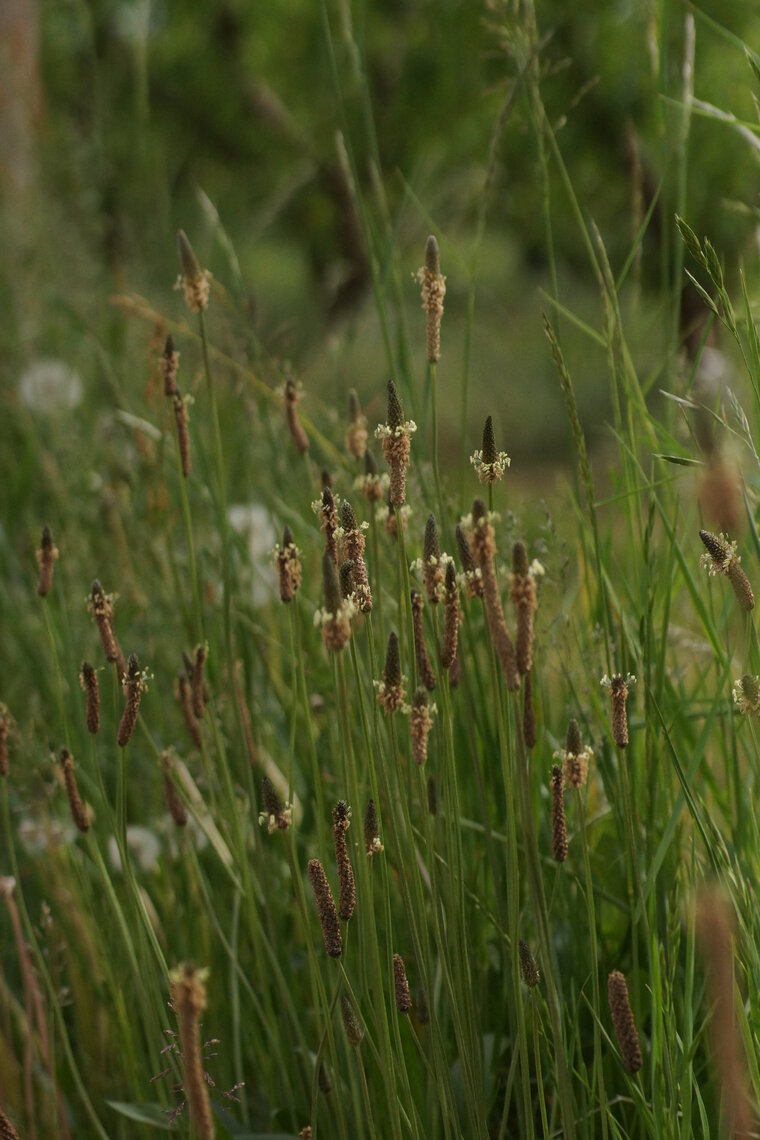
<point x="622" y="1021"/>
<point x="424" y="666"/>
<point x="421" y="724"/>
<point x="618" y="686"/>
<point x="188" y="993"/>
<point x="433" y="290"/>
<point x="326" y="911"/>
<point x="77" y="808"/>
<point x="529" y="714"/>
<point x="473" y="579"/>
<point x="275" y="814"/>
<point x="559" y="827"/>
<point x="181" y="422"/>
<point x="433" y="568"/>
<point x="335" y="618"/>
<point x="101" y="607"/>
<point x="528" y="967"/>
<point x="372" y="844"/>
<point x="722" y="558"/>
<point x="522" y="593"/>
<point x="356" y="432"/>
<point x="390" y="690"/>
<point x="395" y="435"/>
<point x="295" y="427"/>
<point x="351" y="1024"/>
<point x="46" y="557"/>
<point x="354" y="543"/>
<point x="450" y="617"/>
<point x="134" y="686"/>
<point x="288" y="562"/>
<point x="197" y="683"/>
<point x="168" y="366"/>
<point x="346" y="884"/>
<point x="484" y="550"/>
<point x="174" y="804"/>
<point x="575" y="758"/>
<point x="88" y="679"/>
<point x="7" y="1131"/>
<point x="401" y="985"/>
<point x="194" y="280"/>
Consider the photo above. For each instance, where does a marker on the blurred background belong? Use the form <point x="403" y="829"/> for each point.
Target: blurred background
<point x="122" y="121"/>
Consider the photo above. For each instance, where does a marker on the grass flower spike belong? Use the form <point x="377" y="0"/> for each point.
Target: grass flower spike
<point x="574" y="757"/>
<point x="78" y="811"/>
<point x="522" y="593"/>
<point x="451" y="616"/>
<point x="346" y="882"/>
<point x="484" y="550"/>
<point x="287" y="559"/>
<point x="326" y="910"/>
<point x="351" y="1025"/>
<point x="401" y="985"/>
<point x="372" y="844"/>
<point x="489" y="463"/>
<point x="181" y="404"/>
<point x="618" y="688"/>
<point x="134" y="686"/>
<point x="371" y="486"/>
<point x="528" y="967"/>
<point x="746" y="694"/>
<point x="433" y="290"/>
<point x="622" y="1021"/>
<point x="472" y="576"/>
<point x="276" y="815"/>
<point x="188" y="992"/>
<point x="390" y="690"/>
<point x="193" y="280"/>
<point x="295" y="427"/>
<point x="424" y="666"/>
<point x="356" y="432"/>
<point x="335" y="618"/>
<point x="168" y="367"/>
<point x="46" y="557"/>
<point x="353" y="538"/>
<point x="421" y="724"/>
<point x="722" y="558"/>
<point x="88" y="679"/>
<point x="529" y="713"/>
<point x="559" y="827"/>
<point x="395" y="436"/>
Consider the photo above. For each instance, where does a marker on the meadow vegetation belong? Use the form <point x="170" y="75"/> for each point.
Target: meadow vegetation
<point x="349" y="788"/>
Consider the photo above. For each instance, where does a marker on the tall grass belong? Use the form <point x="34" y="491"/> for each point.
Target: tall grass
<point x="293" y="745"/>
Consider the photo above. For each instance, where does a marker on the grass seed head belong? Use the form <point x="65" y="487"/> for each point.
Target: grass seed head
<point x="188" y="994"/>
<point x="352" y="1027"/>
<point x="295" y="427"/>
<point x="618" y="686"/>
<point x="174" y="804"/>
<point x="372" y="844"/>
<point x="7" y="1131"/>
<point x="356" y="432"/>
<point x="722" y="558"/>
<point x="46" y="558"/>
<point x="401" y="985"/>
<point x="169" y="365"/>
<point x="79" y="813"/>
<point x="450" y="617"/>
<point x="181" y="422"/>
<point x="88" y="679"/>
<point x="346" y="882"/>
<point x="276" y="815"/>
<point x="424" y="665"/>
<point x="421" y="722"/>
<point x="287" y="560"/>
<point x="432" y="290"/>
<point x="529" y="713"/>
<point x="134" y="687"/>
<point x="559" y="827"/>
<point x="395" y="436"/>
<point x="574" y="756"/>
<point x="194" y="280"/>
<point x="391" y="692"/>
<point x="489" y="463"/>
<point x="622" y="1021"/>
<point x="326" y="910"/>
<point x="528" y="967"/>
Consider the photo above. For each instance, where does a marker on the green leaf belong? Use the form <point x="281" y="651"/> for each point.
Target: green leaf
<point x="681" y="460"/>
<point x="152" y="1114"/>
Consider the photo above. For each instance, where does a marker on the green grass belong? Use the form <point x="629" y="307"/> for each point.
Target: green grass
<point x="94" y="924"/>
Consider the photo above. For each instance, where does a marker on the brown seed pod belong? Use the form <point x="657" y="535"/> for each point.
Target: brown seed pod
<point x="181" y="422"/>
<point x="351" y="1024"/>
<point x="391" y="692"/>
<point x="522" y="593"/>
<point x="395" y="436"/>
<point x="529" y="715"/>
<point x="168" y="366"/>
<point x="433" y="290"/>
<point x="421" y="724"/>
<point x="372" y="844"/>
<point x="451" y="615"/>
<point x="7" y="1131"/>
